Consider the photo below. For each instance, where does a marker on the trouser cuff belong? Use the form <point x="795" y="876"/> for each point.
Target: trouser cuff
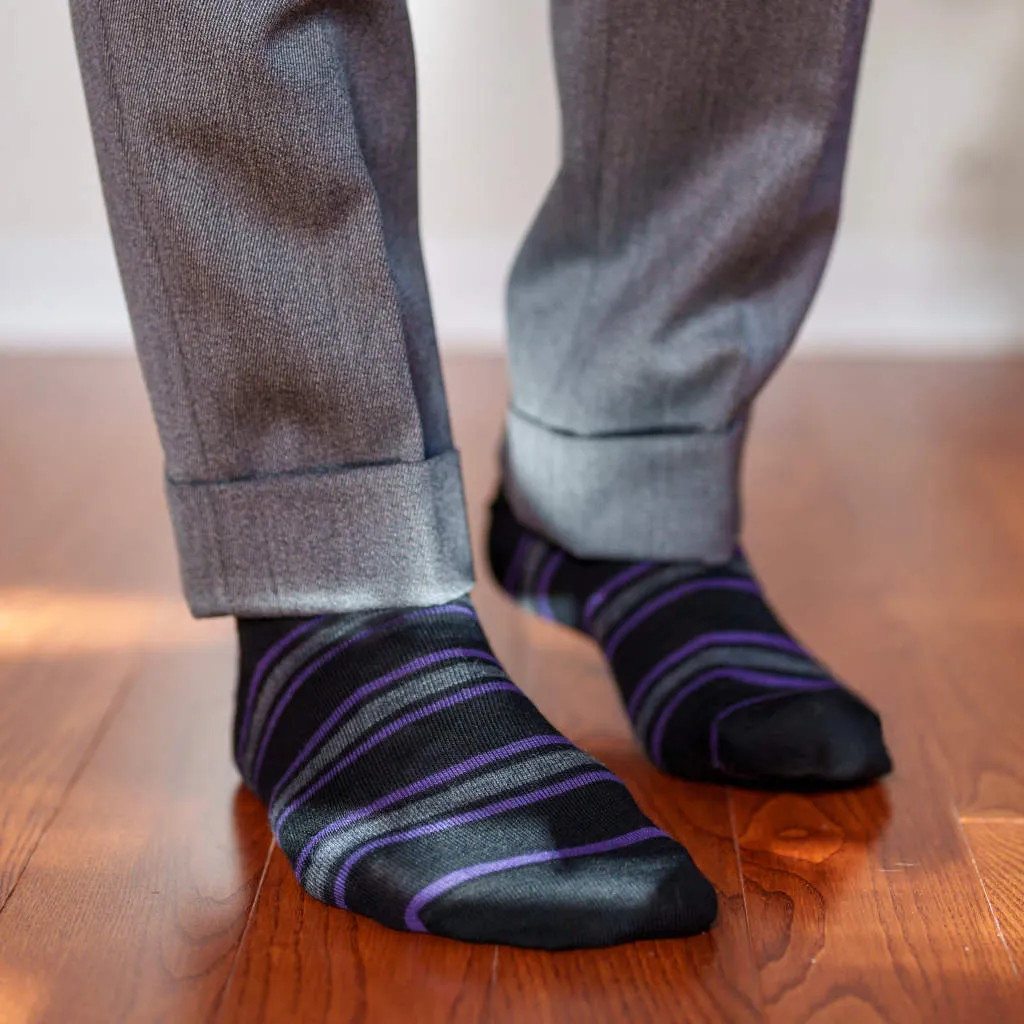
<point x="350" y="539"/>
<point x="662" y="497"/>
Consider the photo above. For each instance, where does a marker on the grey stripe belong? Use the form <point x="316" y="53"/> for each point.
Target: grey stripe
<point x="620" y="605"/>
<point x="721" y="657"/>
<point x="287" y="667"/>
<point x="377" y="711"/>
<point x="453" y="798"/>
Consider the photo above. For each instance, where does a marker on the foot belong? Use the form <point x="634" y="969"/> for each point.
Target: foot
<point x="716" y="688"/>
<point x="407" y="779"/>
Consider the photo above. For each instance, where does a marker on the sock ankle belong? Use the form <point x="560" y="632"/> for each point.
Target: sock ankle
<point x="716" y="688"/>
<point x="408" y="779"/>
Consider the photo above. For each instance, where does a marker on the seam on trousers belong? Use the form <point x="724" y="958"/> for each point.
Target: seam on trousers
<point x="842" y="99"/>
<point x="283" y="476"/>
<point x="627" y="435"/>
<point x="397" y="311"/>
<point x="267" y="550"/>
<point x="599" y="156"/>
<point x="117" y="124"/>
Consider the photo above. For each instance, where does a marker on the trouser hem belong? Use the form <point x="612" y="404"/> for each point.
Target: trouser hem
<point x="663" y="497"/>
<point x="348" y="539"/>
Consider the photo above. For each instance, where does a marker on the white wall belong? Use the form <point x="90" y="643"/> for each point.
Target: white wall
<point x="932" y="251"/>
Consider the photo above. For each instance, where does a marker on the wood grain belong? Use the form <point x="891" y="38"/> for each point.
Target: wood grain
<point x="864" y="905"/>
<point x="885" y="512"/>
<point x="998" y="848"/>
<point x="64" y="658"/>
<point x="902" y="574"/>
<point x="894" y="492"/>
<point x="52" y="714"/>
<point x="82" y="502"/>
<point x="86" y="574"/>
<point x="135" y="899"/>
<point x="303" y="961"/>
<point x="855" y="917"/>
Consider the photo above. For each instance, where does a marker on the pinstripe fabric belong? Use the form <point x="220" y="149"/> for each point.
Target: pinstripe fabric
<point x="259" y="166"/>
<point x="408" y="779"/>
<point x="717" y="690"/>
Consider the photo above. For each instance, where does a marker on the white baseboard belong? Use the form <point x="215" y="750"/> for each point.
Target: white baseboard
<point x="61" y="294"/>
<point x="950" y="300"/>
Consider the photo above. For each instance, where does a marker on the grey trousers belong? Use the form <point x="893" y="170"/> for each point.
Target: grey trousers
<point x="258" y="161"/>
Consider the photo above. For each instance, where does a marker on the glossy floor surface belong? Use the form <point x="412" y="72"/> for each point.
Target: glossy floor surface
<point x="885" y="511"/>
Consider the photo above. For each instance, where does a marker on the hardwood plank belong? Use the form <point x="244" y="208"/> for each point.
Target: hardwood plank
<point x="883" y="503"/>
<point x="866" y="905"/>
<point x="135" y="900"/>
<point x="853" y="918"/>
<point x="998" y="849"/>
<point x="82" y="478"/>
<point x="972" y="708"/>
<point x="86" y="574"/>
<point x="52" y="715"/>
<point x="303" y="961"/>
<point x="897" y="487"/>
<point x="75" y="521"/>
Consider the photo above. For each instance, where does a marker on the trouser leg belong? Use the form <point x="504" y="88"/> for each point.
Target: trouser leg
<point x="258" y="161"/>
<point x="672" y="262"/>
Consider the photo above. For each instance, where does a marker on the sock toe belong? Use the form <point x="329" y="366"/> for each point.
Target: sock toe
<point x="585" y="902"/>
<point x="828" y="738"/>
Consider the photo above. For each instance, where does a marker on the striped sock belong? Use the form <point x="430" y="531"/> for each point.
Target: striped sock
<point x="717" y="690"/>
<point x="407" y="779"/>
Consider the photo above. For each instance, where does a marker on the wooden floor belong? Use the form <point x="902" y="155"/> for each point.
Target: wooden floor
<point x="885" y="509"/>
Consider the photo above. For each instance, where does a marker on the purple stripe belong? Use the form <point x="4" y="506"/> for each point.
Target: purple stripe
<point x="456" y="878"/>
<point x="261" y="667"/>
<point x="516" y="565"/>
<point x="544" y="584"/>
<point x="791" y="683"/>
<point x="355" y="699"/>
<point x="598" y="597"/>
<point x="781" y="643"/>
<point x="715" y="583"/>
<point x="715" y="760"/>
<point x="440" y="778"/>
<point x="333" y="652"/>
<point x="388" y="731"/>
<point x="468" y="817"/>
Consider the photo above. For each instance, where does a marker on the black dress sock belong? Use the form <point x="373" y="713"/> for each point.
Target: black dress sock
<point x="408" y="779"/>
<point x="716" y="688"/>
